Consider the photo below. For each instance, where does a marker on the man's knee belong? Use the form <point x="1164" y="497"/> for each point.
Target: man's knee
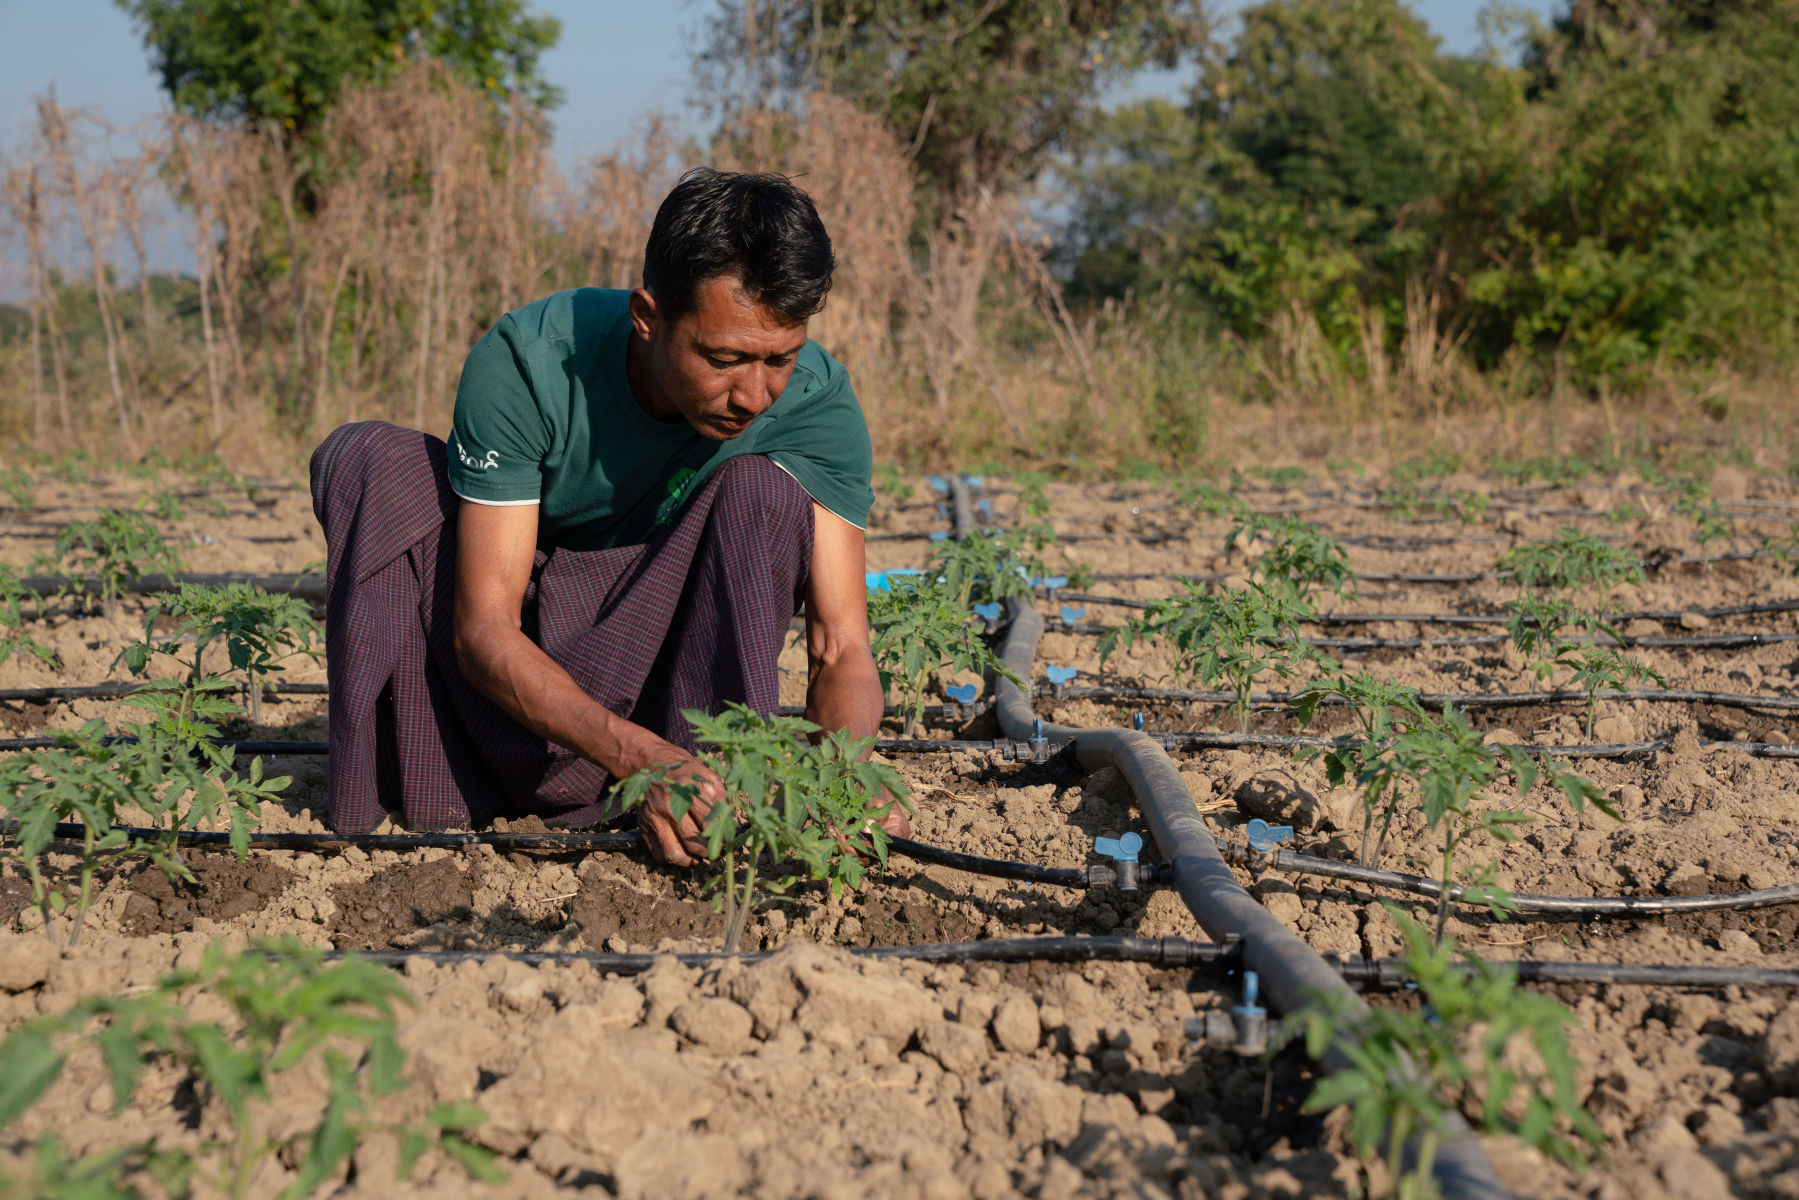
<point x="753" y="488"/>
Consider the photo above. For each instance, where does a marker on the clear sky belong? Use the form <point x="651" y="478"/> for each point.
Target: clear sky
<point x="616" y="62"/>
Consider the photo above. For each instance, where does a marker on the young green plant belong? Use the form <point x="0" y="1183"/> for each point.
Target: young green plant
<point x="917" y="628"/>
<point x="1538" y="628"/>
<point x="259" y="629"/>
<point x="95" y="781"/>
<point x="1227" y="637"/>
<point x="1444" y="765"/>
<point x="990" y="566"/>
<point x="117" y="546"/>
<point x="791" y="805"/>
<point x="1300" y="556"/>
<point x="1477" y="1034"/>
<point x="1571" y="559"/>
<point x="1378" y="708"/>
<point x="290" y="1011"/>
<point x="13" y="638"/>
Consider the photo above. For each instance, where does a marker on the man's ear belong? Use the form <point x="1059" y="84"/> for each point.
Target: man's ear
<point x="646" y="319"/>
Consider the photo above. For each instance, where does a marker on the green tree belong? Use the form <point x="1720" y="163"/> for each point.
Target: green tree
<point x="983" y="93"/>
<point x="286" y="60"/>
<point x="1305" y="168"/>
<point x="1647" y="200"/>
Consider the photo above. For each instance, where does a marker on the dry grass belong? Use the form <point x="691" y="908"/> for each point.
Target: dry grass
<point x="349" y="283"/>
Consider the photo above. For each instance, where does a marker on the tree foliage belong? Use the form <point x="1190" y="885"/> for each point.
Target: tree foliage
<point x="1626" y="191"/>
<point x="287" y="62"/>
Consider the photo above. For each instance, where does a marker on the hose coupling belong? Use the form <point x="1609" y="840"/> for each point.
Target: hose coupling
<point x="1242" y="1029"/>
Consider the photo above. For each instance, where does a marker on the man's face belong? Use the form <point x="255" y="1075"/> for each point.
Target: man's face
<point x="721" y="364"/>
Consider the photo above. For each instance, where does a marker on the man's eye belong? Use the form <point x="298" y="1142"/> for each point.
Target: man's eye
<point x="779" y="361"/>
<point x="723" y="364"/>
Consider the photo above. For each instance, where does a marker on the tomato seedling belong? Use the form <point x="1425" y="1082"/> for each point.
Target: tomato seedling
<point x="1445" y="764"/>
<point x="117" y="546"/>
<point x="1378" y="707"/>
<point x="1230" y="636"/>
<point x="1477" y="1034"/>
<point x="791" y="806"/>
<point x="1571" y="559"/>
<point x="85" y="778"/>
<point x="1300" y="556"/>
<point x="260" y="629"/>
<point x="990" y="566"/>
<point x="1208" y="499"/>
<point x="13" y="638"/>
<point x="1538" y="628"/>
<point x="290" y="1011"/>
<point x="918" y="628"/>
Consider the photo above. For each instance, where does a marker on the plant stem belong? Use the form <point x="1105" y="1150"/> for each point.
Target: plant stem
<point x="1427" y="1155"/>
<point x="1448" y="868"/>
<point x="734" y="934"/>
<point x="730" y="896"/>
<point x="85" y="896"/>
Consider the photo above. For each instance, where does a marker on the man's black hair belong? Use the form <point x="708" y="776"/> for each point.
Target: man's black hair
<point x="758" y="229"/>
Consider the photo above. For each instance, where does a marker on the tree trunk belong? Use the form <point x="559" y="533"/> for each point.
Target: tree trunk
<point x="214" y="400"/>
<point x="56" y="135"/>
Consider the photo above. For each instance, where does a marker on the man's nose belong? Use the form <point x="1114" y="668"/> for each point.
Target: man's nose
<point x="755" y="391"/>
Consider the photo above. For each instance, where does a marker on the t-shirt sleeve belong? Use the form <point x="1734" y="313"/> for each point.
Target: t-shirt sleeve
<point x="498" y="438"/>
<point x="823" y="443"/>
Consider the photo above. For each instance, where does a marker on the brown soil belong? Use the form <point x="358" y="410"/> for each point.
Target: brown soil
<point x="393" y="904"/>
<point x="818" y="1075"/>
<point x="223" y="890"/>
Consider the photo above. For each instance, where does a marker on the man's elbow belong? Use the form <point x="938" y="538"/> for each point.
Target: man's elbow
<point x="468" y="641"/>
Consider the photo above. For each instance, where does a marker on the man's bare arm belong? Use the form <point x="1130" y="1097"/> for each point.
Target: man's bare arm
<point x="843" y="688"/>
<point x="495" y="549"/>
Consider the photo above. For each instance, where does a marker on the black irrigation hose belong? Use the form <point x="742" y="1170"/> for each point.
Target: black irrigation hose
<point x="1389" y="974"/>
<point x="885" y="745"/>
<point x="1292" y="973"/>
<point x="1645" y="614"/>
<point x="507" y="842"/>
<point x="1716" y="641"/>
<point x="310" y="586"/>
<point x="1463" y="700"/>
<point x="1233" y="741"/>
<point x="1584" y="906"/>
<point x="116" y="690"/>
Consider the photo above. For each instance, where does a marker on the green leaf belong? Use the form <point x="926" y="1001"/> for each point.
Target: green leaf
<point x="29" y="1064"/>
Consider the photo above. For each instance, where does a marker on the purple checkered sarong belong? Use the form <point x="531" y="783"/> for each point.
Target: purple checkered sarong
<point x="692" y="618"/>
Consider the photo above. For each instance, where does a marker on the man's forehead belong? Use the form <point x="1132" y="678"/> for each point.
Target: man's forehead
<point x="724" y="317"/>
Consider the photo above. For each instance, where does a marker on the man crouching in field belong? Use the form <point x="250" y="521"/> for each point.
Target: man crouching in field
<point x="639" y="489"/>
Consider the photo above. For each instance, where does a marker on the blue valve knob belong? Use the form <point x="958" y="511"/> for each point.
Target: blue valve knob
<point x="940" y="535"/>
<point x="985" y="506"/>
<point x="1071" y="615"/>
<point x="1263" y="836"/>
<point x="987" y="612"/>
<point x="1119" y="849"/>
<point x="938" y="482"/>
<point x="1050" y="581"/>
<point x="973" y="481"/>
<point x="1136" y="720"/>
<point x="1037" y="731"/>
<point x="962" y="693"/>
<point x="1060" y="675"/>
<point x="1249" y="1007"/>
<point x="877" y="581"/>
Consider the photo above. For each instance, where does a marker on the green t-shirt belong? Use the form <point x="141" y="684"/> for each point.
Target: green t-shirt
<point x="544" y="415"/>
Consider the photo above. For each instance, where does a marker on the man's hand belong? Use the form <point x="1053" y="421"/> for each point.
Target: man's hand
<point x="679" y="843"/>
<point x="897" y="822"/>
